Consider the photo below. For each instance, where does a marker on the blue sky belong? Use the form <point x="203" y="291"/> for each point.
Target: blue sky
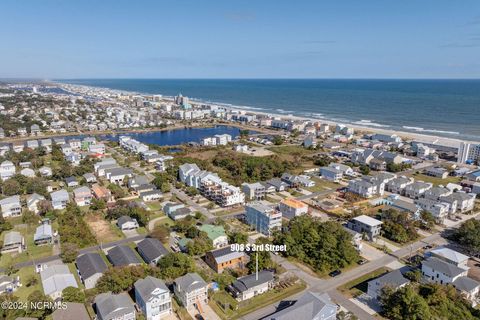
<point x="240" y="39"/>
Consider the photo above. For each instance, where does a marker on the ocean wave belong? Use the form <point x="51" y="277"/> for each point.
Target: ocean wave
<point x="420" y="129"/>
<point x="370" y="123"/>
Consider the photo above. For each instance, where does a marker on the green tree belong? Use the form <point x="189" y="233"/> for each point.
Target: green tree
<point x="37" y="297"/>
<point x="69" y="252"/>
<point x="468" y="235"/>
<point x="174" y="265"/>
<point x="11" y="187"/>
<point x="404" y="304"/>
<point x="72" y="294"/>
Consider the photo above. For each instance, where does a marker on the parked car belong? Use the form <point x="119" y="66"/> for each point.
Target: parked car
<point x="335" y="273"/>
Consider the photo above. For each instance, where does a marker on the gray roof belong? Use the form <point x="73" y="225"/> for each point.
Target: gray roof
<point x="60" y="195"/>
<point x="43" y="231"/>
<point x="226" y="254"/>
<point x="446" y="268"/>
<point x="465" y="284"/>
<point x="82" y="191"/>
<point x="89" y="264"/>
<point x="111" y="306"/>
<point x="309" y="306"/>
<point x="245" y="283"/>
<point x="394" y="279"/>
<point x="151" y="249"/>
<point x="122" y="256"/>
<point x="33" y="198"/>
<point x="10" y="200"/>
<point x="124" y="219"/>
<point x="12" y="237"/>
<point x="190" y="282"/>
<point x="57" y="277"/>
<point x="145" y="287"/>
<point x="72" y="311"/>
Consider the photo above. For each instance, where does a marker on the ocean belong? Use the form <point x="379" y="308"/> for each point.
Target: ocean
<point x="449" y="108"/>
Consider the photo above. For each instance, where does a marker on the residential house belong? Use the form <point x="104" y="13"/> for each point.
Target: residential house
<point x="55" y="278"/>
<point x="28" y="172"/>
<point x="151" y="250"/>
<point x="364" y="188"/>
<point x="127" y="223"/>
<point x="153" y="298"/>
<point x="366" y="225"/>
<point x="102" y="193"/>
<point x="90" y="268"/>
<point x="247" y="287"/>
<point x="181" y="213"/>
<point x="71" y="311"/>
<point x="118" y="175"/>
<point x="11" y="206"/>
<point x="8" y="285"/>
<point x="82" y="196"/>
<point x="191" y="289"/>
<point x="114" y="306"/>
<point x="150" y="195"/>
<point x="254" y="191"/>
<point x="13" y="241"/>
<point x="7" y="170"/>
<point x="417" y="189"/>
<point x="398" y="185"/>
<point x="439" y="210"/>
<point x="122" y="255"/>
<point x="331" y="174"/>
<point x="60" y="199"/>
<point x="45" y="171"/>
<point x="437" y="172"/>
<point x="440" y="271"/>
<point x="216" y="234"/>
<point x="90" y="177"/>
<point x="291" y="208"/>
<point x="450" y="256"/>
<point x="435" y="193"/>
<point x="263" y="217"/>
<point x="278" y="184"/>
<point x="225" y="258"/>
<point x="393" y="280"/>
<point x="465" y="202"/>
<point x="309" y="306"/>
<point x="71" y="182"/>
<point x="43" y="234"/>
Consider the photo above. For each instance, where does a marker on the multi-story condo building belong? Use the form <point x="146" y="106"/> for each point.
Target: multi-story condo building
<point x="264" y="218"/>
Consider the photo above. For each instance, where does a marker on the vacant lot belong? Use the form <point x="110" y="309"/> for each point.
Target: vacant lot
<point x="436" y="181"/>
<point x="103" y="230"/>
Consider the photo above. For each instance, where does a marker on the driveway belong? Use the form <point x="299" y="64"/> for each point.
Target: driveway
<point x="130" y="233"/>
<point x="370" y="253"/>
<point x="207" y="314"/>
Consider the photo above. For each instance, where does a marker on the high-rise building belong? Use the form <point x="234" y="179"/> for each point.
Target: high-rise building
<point x="468" y="152"/>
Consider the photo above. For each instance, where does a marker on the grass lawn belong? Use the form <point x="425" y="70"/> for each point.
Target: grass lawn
<point x="253" y="304"/>
<point x="436" y="181"/>
<point x="322" y="185"/>
<point x="181" y="312"/>
<point x="154" y="206"/>
<point x="142" y="230"/>
<point x="73" y="270"/>
<point x="32" y="252"/>
<point x="359" y="286"/>
<point x="23" y="292"/>
<point x="166" y="222"/>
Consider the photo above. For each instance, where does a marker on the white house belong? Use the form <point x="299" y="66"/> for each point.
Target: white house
<point x="7" y="170"/>
<point x="11" y="207"/>
<point x="190" y="289"/>
<point x="153" y="298"/>
<point x="249" y="286"/>
<point x="394" y="279"/>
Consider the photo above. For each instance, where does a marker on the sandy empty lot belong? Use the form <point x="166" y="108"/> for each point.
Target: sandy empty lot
<point x="101" y="228"/>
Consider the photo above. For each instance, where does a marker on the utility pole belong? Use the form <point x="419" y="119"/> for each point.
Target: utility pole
<point x="256" y="267"/>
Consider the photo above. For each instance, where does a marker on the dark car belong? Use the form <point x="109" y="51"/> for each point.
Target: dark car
<point x="361" y="261"/>
<point x="335" y="273"/>
<point x="199" y="317"/>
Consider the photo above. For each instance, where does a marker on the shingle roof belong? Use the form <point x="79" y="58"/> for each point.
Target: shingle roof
<point x="226" y="254"/>
<point x="72" y="311"/>
<point x="146" y="286"/>
<point x="307" y="307"/>
<point x="444" y="267"/>
<point x="12" y="237"/>
<point x="111" y="306"/>
<point x="190" y="282"/>
<point x="89" y="264"/>
<point x="245" y="283"/>
<point x="122" y="256"/>
<point x="151" y="249"/>
<point x="394" y="279"/>
<point x="124" y="219"/>
<point x="56" y="278"/>
<point x="465" y="284"/>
